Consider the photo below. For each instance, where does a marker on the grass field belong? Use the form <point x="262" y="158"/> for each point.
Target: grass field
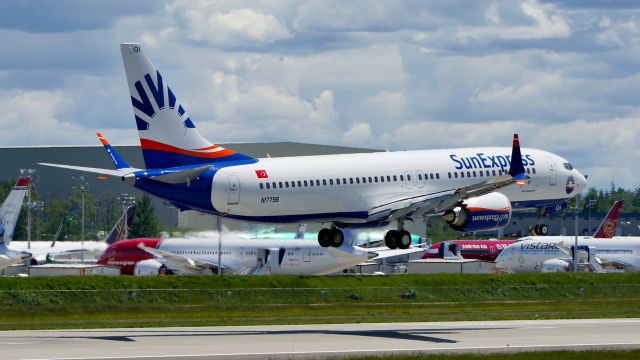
<point x="82" y="302"/>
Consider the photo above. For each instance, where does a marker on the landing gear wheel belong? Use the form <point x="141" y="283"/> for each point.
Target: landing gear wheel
<point x="543" y="229"/>
<point x="336" y="238"/>
<point x="391" y="239"/>
<point x="324" y="237"/>
<point x="404" y="239"/>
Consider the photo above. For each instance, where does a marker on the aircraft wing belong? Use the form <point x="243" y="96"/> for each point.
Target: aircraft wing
<point x="433" y="203"/>
<point x="619" y="260"/>
<point x="177" y="261"/>
<point x="387" y="253"/>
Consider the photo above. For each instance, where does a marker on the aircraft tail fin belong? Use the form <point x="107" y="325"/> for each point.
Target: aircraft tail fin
<point x="607" y="228"/>
<point x="516" y="168"/>
<point x="168" y="136"/>
<point x="10" y="209"/>
<point x="120" y="230"/>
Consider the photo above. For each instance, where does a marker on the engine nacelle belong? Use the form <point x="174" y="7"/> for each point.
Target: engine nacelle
<point x="555" y="265"/>
<point x="150" y="267"/>
<point x="486" y="212"/>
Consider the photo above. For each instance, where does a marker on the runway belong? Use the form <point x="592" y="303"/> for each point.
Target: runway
<point x="319" y="341"/>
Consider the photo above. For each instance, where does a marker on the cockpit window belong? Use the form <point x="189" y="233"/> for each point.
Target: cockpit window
<point x="568" y="166"/>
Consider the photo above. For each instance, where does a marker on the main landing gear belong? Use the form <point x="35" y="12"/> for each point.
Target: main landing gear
<point x="398" y="239"/>
<point x="331" y="237"/>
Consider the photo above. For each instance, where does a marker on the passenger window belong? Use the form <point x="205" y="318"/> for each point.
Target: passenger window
<point x="300" y="183"/>
<point x="350" y="180"/>
<point x="481" y="173"/>
<point x="317" y="182"/>
<point x="370" y="180"/>
<point x="474" y="173"/>
<point x="461" y="174"/>
<point x="324" y="182"/>
<point x="286" y="184"/>
<point x="437" y="176"/>
<point x="261" y="186"/>
<point x="455" y="174"/>
<point x="293" y="184"/>
<point x="268" y="187"/>
<point x="330" y="181"/>
<point x="420" y="177"/>
<point x="488" y="173"/>
<point x="395" y="178"/>
<point x="528" y="171"/>
<point x="408" y="177"/>
<point x="344" y="181"/>
<point x="381" y="178"/>
<point x="468" y="173"/>
<point x="534" y="170"/>
<point x="364" y="180"/>
<point x="375" y="178"/>
<point x="494" y="172"/>
<point x="280" y="184"/>
<point x="357" y="180"/>
<point x="449" y="175"/>
<point x="274" y="185"/>
<point x="305" y="183"/>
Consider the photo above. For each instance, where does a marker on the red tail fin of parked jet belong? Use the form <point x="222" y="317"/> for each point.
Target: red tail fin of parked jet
<point x="607" y="228"/>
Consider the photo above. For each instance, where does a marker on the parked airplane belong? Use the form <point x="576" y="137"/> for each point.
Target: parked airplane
<point x="9" y="212"/>
<point x="198" y="254"/>
<point x="73" y="251"/>
<point x="488" y="250"/>
<point x="554" y="253"/>
<point x="460" y="185"/>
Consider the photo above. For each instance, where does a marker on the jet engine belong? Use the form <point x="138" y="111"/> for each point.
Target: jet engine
<point x="150" y="267"/>
<point x="486" y="212"/>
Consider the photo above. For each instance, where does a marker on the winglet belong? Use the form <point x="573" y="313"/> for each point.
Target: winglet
<point x="516" y="169"/>
<point x="118" y="161"/>
<point x="607" y="228"/>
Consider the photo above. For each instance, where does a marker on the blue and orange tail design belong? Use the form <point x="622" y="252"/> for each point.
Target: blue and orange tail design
<point x="516" y="168"/>
<point x="168" y="136"/>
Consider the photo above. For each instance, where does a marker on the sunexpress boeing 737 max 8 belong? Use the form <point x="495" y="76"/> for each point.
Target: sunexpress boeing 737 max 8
<point x="472" y="188"/>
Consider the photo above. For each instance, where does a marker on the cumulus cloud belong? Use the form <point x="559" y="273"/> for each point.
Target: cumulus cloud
<point x="204" y="22"/>
<point x="546" y="25"/>
<point x="396" y="74"/>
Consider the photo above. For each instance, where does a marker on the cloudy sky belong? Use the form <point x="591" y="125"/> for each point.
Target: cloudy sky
<point x="386" y="74"/>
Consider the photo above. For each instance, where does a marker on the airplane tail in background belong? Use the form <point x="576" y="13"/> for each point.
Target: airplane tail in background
<point x="516" y="168"/>
<point x="168" y="136"/>
<point x="607" y="228"/>
<point x="10" y="209"/>
<point x="120" y="230"/>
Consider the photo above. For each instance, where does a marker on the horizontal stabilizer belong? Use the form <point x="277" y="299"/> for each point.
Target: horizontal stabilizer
<point x="181" y="177"/>
<point x="90" y="169"/>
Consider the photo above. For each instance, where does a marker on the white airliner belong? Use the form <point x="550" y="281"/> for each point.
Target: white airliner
<point x="74" y="251"/>
<point x="198" y="254"/>
<point x="461" y="185"/>
<point x="554" y="253"/>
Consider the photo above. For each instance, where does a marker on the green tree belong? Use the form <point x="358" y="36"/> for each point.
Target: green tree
<point x="145" y="222"/>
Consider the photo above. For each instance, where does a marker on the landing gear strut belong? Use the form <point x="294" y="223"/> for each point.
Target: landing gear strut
<point x="398" y="239"/>
<point x="331" y="237"/>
